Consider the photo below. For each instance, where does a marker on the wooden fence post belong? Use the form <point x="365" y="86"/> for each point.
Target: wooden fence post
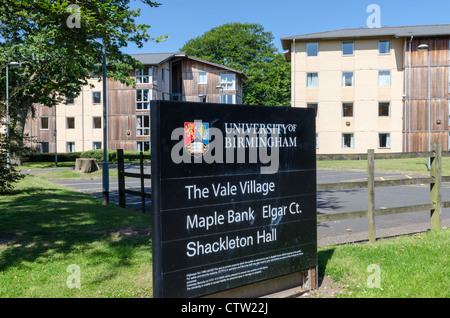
<point x="141" y="164"/>
<point x="121" y="170"/>
<point x="435" y="187"/>
<point x="371" y="194"/>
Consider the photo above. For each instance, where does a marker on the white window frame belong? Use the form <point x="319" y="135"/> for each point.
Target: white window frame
<point x="380" y="81"/>
<point x="202" y="78"/>
<point x="141" y="130"/>
<point x="228" y="81"/>
<point x="310" y="82"/>
<point x="96" y="142"/>
<point x="352" y="140"/>
<point x="379" y="47"/>
<point x="314" y="46"/>
<point x="143" y="76"/>
<point x="227" y="98"/>
<point x="353" y="48"/>
<point x="388" y="140"/>
<point x="140" y="145"/>
<point x="344" y="79"/>
<point x="145" y="104"/>
<point x="70" y="146"/>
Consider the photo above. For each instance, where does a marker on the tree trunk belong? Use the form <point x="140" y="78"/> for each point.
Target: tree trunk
<point x="16" y="131"/>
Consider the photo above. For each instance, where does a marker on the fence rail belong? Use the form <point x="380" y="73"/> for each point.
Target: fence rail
<point x="435" y="180"/>
<point x="122" y="174"/>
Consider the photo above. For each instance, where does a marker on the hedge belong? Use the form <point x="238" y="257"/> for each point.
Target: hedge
<point x="72" y="156"/>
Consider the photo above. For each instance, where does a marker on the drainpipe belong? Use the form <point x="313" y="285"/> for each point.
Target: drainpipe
<point x="293" y="75"/>
<point x="409" y="97"/>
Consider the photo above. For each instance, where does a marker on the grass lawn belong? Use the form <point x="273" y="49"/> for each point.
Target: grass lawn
<point x="409" y="266"/>
<point x="408" y="164"/>
<point x="45" y="228"/>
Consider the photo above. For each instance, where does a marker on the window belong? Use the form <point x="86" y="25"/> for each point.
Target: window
<point x="155" y="75"/>
<point x="142" y="99"/>
<point x="70" y="146"/>
<point x="384" y="140"/>
<point x="228" y="81"/>
<point x="44" y="123"/>
<point x="202" y="98"/>
<point x="347" y="79"/>
<point x="142" y="125"/>
<point x="312" y="49"/>
<point x="317" y="140"/>
<point x="96" y="97"/>
<point x="384" y="47"/>
<point x="143" y="76"/>
<point x="163" y="74"/>
<point x="70" y="100"/>
<point x="70" y="122"/>
<point x="384" y="78"/>
<point x="347" y="141"/>
<point x="97" y="145"/>
<point x="312" y="79"/>
<point x="44" y="148"/>
<point x="384" y="109"/>
<point x="143" y="145"/>
<point x="347" y="109"/>
<point x="202" y="78"/>
<point x="227" y="98"/>
<point x="348" y="48"/>
<point x="97" y="122"/>
<point x="314" y="106"/>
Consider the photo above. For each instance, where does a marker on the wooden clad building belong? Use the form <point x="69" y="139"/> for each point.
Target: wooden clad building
<point x="77" y="124"/>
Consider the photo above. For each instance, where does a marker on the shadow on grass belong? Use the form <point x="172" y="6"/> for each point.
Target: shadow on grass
<point x="37" y="223"/>
<point x="323" y="256"/>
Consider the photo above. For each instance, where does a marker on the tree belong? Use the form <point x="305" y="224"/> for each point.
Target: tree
<point x="60" y="45"/>
<point x="248" y="48"/>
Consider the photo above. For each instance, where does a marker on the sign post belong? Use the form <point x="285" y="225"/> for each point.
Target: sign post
<point x="233" y="195"/>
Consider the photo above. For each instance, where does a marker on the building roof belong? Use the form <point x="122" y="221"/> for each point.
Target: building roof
<point x="397" y="31"/>
<point x="159" y="58"/>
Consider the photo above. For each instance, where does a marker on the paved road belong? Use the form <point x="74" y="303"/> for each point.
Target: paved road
<point x="327" y="202"/>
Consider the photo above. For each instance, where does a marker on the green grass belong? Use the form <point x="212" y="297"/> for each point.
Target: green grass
<point x="45" y="228"/>
<point x="409" y="266"/>
<point x="46" y="165"/>
<point x="409" y="164"/>
<point x="69" y="174"/>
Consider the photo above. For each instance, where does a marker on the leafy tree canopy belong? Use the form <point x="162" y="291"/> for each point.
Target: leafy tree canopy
<point x="248" y="48"/>
<point x="59" y="44"/>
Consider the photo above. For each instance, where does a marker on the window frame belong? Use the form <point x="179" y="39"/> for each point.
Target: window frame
<point x="67" y="146"/>
<point x="143" y="102"/>
<point x="379" y="78"/>
<point x="96" y="142"/>
<point x="352" y="140"/>
<point x="344" y="79"/>
<point x="307" y="81"/>
<point x="93" y="122"/>
<point x="203" y="75"/>
<point x="226" y="84"/>
<point x="389" y="108"/>
<point x="93" y="97"/>
<point x="142" y="128"/>
<point x="140" y="75"/>
<point x="224" y="99"/>
<point x="353" y="48"/>
<point x="316" y="44"/>
<point x="389" y="49"/>
<point x="40" y="123"/>
<point x="343" y="109"/>
<point x="388" y="140"/>
<point x="67" y="123"/>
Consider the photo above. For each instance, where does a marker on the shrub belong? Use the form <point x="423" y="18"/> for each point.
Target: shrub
<point x="7" y="176"/>
<point x="50" y="157"/>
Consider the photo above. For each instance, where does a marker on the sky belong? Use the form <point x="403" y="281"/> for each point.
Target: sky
<point x="183" y="20"/>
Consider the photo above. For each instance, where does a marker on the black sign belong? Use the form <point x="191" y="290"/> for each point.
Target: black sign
<point x="233" y="195"/>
